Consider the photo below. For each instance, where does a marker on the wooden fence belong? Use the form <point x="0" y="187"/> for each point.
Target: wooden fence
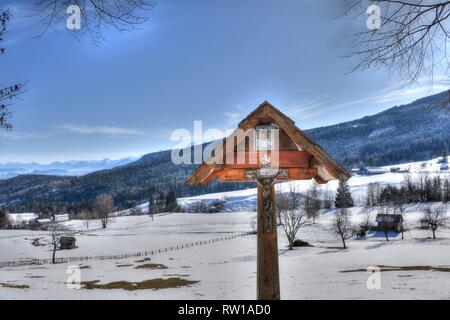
<point x="28" y="262"/>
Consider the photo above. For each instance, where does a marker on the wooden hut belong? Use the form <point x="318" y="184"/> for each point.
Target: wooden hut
<point x="389" y="222"/>
<point x="67" y="243"/>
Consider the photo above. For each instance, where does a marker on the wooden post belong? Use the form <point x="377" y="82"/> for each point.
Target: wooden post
<point x="267" y="256"/>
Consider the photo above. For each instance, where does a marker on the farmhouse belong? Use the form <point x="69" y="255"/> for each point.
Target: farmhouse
<point x="368" y="171"/>
<point x="62" y="217"/>
<point x="399" y="170"/>
<point x="389" y="222"/>
<point x="55" y="218"/>
<point x="17" y="220"/>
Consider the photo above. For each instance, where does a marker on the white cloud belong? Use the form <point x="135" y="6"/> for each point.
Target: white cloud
<point x="410" y="93"/>
<point x="232" y="117"/>
<point x="395" y="95"/>
<point x="21" y="135"/>
<point x="109" y="131"/>
<point x="305" y="109"/>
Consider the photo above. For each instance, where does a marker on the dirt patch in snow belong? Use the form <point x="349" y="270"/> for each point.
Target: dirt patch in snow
<point x="14" y="286"/>
<point x="154" y="284"/>
<point x="151" y="266"/>
<point x="36" y="242"/>
<point x="403" y="268"/>
<point x="143" y="260"/>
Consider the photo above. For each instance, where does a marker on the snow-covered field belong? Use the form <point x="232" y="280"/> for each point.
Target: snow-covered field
<point x="227" y="269"/>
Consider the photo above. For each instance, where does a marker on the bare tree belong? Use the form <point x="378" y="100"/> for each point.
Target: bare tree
<point x="291" y="212"/>
<point x="367" y="221"/>
<point x="253" y="226"/>
<point x="103" y="206"/>
<point x="151" y="213"/>
<point x="6" y="93"/>
<point x="312" y="202"/>
<point x="343" y="226"/>
<point x="151" y="207"/>
<point x="56" y="231"/>
<point x="436" y="217"/>
<point x="87" y="216"/>
<point x="327" y="198"/>
<point x="96" y="16"/>
<point x="410" y="40"/>
<point x="400" y="209"/>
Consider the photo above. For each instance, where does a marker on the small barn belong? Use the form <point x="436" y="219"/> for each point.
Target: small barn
<point x="389" y="222"/>
<point x="424" y="223"/>
<point x="67" y="243"/>
<point x="444" y="166"/>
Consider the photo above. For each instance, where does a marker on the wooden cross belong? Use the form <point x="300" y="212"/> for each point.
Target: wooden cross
<point x="298" y="157"/>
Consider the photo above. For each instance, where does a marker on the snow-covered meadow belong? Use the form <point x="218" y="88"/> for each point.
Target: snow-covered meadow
<point x="227" y="269"/>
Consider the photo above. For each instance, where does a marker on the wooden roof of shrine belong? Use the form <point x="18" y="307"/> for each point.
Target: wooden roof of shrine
<point x="299" y="156"/>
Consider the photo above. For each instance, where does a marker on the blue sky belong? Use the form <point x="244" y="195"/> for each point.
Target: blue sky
<point x="209" y="60"/>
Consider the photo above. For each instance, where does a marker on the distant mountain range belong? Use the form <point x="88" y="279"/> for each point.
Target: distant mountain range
<point x="413" y="132"/>
<point x="60" y="168"/>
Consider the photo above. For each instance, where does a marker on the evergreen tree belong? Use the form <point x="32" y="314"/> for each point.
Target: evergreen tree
<point x="151" y="206"/>
<point x="343" y="196"/>
<point x="445" y="156"/>
<point x="446" y="191"/>
<point x="312" y="203"/>
<point x="436" y="194"/>
<point x="171" y="200"/>
<point x="151" y="202"/>
<point x="4" y="219"/>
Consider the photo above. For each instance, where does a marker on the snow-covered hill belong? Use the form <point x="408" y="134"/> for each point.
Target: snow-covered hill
<point x="245" y="200"/>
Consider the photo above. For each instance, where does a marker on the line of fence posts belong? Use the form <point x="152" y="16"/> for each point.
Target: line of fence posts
<point x="11" y="264"/>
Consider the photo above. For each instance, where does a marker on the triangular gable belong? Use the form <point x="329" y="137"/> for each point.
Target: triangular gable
<point x="327" y="169"/>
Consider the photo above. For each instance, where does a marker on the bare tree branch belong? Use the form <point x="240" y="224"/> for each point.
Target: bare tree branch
<point x="411" y="41"/>
<point x="436" y="218"/>
<point x="103" y="206"/>
<point x="10" y="92"/>
<point x="291" y="213"/>
<point x="96" y="15"/>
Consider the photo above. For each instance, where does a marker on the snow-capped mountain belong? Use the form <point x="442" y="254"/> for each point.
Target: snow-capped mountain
<point x="60" y="168"/>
